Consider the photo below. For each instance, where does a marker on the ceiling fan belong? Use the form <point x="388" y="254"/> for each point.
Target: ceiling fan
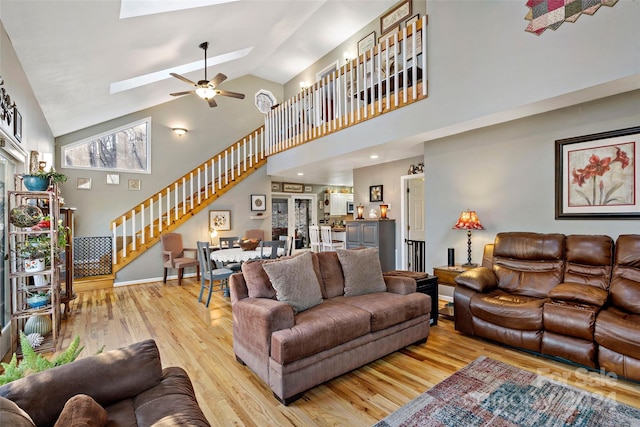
<point x="206" y="89"/>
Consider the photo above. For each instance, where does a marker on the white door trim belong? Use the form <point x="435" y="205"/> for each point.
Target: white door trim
<point x="404" y="179"/>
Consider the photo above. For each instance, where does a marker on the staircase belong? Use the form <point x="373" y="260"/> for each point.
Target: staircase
<point x="379" y="81"/>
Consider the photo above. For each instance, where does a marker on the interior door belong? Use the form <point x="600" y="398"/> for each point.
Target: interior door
<point x="7" y="170"/>
<point x="415" y="210"/>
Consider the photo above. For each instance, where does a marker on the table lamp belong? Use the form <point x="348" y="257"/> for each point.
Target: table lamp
<point x="468" y="221"/>
<point x="214" y="233"/>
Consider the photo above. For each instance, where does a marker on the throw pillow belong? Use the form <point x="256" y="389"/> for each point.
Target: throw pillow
<point x="295" y="282"/>
<point x="12" y="415"/>
<point x="82" y="411"/>
<point x="258" y="285"/>
<point x="362" y="271"/>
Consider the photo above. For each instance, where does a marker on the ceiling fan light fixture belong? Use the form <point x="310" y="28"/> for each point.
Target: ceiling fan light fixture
<point x="179" y="131"/>
<point x="205" y="92"/>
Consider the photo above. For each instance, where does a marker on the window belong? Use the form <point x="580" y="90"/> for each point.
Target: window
<point x="126" y="149"/>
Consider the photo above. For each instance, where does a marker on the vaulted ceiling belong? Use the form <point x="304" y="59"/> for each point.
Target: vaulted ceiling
<point x="89" y="61"/>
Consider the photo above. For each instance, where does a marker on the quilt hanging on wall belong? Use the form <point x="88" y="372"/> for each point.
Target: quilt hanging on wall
<point x="545" y="14"/>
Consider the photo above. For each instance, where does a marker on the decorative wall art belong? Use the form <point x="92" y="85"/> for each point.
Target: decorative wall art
<point x="368" y="42"/>
<point x="17" y="124"/>
<point x="134" y="185"/>
<point x="375" y="193"/>
<point x="113" y="179"/>
<point x="292" y="188"/>
<point x="597" y="176"/>
<point x="83" y="183"/>
<point x="551" y="14"/>
<point x="395" y="16"/>
<point x="258" y="202"/>
<point x="276" y="186"/>
<point x="220" y="220"/>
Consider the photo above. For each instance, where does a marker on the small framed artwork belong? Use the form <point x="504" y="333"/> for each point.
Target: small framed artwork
<point x="292" y="188"/>
<point x="134" y="185"/>
<point x="308" y="188"/>
<point x="411" y="20"/>
<point x="395" y="16"/>
<point x="113" y="179"/>
<point x="410" y="45"/>
<point x="367" y="43"/>
<point x="83" y="183"/>
<point x="220" y="220"/>
<point x="17" y="124"/>
<point x="276" y="186"/>
<point x="258" y="202"/>
<point x="375" y="193"/>
<point x="597" y="176"/>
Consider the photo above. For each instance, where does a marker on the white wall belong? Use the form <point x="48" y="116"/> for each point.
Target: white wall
<point x="506" y="174"/>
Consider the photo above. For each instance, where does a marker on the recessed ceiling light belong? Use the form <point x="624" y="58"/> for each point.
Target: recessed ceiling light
<point x="300" y="173"/>
<point x="374" y="156"/>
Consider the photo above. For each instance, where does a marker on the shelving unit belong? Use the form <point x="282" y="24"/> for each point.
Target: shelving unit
<point x="25" y="283"/>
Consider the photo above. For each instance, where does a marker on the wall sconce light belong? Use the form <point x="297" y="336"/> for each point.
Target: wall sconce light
<point x="360" y="210"/>
<point x="383" y="211"/>
<point x="347" y="57"/>
<point x="214" y="234"/>
<point x="303" y="85"/>
<point x="468" y="221"/>
<point x="179" y="131"/>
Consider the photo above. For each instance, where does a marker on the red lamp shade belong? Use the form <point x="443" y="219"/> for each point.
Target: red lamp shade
<point x="468" y="221"/>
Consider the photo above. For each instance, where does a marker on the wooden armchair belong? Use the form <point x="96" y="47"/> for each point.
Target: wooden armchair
<point x="173" y="256"/>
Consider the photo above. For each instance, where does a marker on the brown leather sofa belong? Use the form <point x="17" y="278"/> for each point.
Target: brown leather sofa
<point x="293" y="352"/>
<point x="576" y="298"/>
<point x="129" y="383"/>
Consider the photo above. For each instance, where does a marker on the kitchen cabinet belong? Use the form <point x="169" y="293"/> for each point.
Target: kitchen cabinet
<point x="338" y="203"/>
<point x="379" y="234"/>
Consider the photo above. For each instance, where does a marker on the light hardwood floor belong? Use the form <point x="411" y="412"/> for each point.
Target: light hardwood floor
<point x="200" y="340"/>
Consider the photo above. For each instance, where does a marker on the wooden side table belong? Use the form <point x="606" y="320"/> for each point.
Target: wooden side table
<point x="446" y="276"/>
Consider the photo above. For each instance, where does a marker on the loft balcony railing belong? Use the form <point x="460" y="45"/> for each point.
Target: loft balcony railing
<point x="384" y="78"/>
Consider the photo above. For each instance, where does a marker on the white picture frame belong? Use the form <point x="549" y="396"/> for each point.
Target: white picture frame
<point x="83" y="183"/>
<point x="113" y="179"/>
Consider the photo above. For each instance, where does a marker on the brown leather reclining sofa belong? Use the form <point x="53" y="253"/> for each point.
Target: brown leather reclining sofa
<point x="573" y="297"/>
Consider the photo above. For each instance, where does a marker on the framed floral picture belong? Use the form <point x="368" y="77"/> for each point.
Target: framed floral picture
<point x="220" y="220"/>
<point x="375" y="193"/>
<point x="597" y="176"/>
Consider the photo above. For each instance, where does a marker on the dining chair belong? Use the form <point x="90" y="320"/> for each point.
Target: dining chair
<point x="274" y="245"/>
<point x="314" y="238"/>
<point x="328" y="243"/>
<point x="211" y="272"/>
<point x="228" y="242"/>
<point x="173" y="256"/>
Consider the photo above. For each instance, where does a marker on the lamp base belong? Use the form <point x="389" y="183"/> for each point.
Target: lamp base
<point x="469" y="265"/>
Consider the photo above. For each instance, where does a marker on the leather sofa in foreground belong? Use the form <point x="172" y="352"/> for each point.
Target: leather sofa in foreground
<point x="351" y="316"/>
<point x="575" y="298"/>
<point x="123" y="387"/>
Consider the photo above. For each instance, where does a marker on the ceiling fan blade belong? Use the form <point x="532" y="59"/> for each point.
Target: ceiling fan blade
<point x="219" y="78"/>
<point x="184" y="79"/>
<point x="182" y="93"/>
<point x="212" y="102"/>
<point x="231" y="94"/>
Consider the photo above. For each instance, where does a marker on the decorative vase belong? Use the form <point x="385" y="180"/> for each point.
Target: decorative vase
<point x="35" y="183"/>
<point x="38" y="325"/>
<point x="40" y="280"/>
<point x="34" y="265"/>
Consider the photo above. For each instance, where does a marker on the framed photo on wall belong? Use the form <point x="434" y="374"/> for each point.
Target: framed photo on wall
<point x="292" y="188"/>
<point x="220" y="220"/>
<point x="366" y="43"/>
<point x="597" y="176"/>
<point x="258" y="202"/>
<point x="375" y="193"/>
<point x="395" y="16"/>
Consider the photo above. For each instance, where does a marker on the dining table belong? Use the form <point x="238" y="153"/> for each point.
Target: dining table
<point x="239" y="255"/>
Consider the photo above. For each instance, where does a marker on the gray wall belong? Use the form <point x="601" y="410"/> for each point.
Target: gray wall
<point x="36" y="134"/>
<point x="506" y="174"/>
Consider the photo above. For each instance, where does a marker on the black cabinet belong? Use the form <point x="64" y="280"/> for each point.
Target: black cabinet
<point x="379" y="234"/>
<point x="425" y="284"/>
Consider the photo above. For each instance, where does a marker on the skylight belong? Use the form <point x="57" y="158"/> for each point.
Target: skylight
<point x="133" y="8"/>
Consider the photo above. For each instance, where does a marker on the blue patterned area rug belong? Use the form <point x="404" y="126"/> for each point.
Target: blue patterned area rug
<point x="491" y="393"/>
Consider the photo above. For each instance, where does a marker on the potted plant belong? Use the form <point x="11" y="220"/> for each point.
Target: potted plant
<point x="35" y="252"/>
<point x="40" y="179"/>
